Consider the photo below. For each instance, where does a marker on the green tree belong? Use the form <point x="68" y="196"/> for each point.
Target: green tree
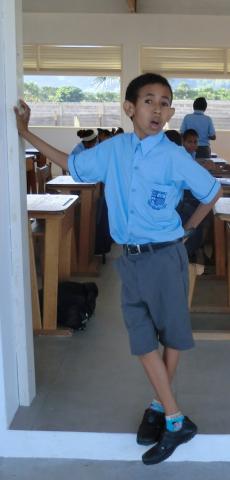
<point x="68" y="94"/>
<point x="48" y="94"/>
<point x="32" y="92"/>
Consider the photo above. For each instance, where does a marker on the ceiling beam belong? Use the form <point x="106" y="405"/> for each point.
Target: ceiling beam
<point x="132" y="5"/>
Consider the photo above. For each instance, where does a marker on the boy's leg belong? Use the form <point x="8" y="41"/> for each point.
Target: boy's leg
<point x="153" y="421"/>
<point x="171" y="358"/>
<point x="160" y="377"/>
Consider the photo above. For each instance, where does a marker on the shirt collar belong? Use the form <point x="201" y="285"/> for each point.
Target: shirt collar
<point x="199" y="112"/>
<point x="147" y="143"/>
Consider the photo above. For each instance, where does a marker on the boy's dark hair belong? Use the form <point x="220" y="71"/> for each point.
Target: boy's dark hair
<point x="137" y="83"/>
<point x="200" y="104"/>
<point x="174" y="136"/>
<point x="190" y="132"/>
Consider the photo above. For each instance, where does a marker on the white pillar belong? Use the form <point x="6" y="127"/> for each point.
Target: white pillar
<point x="17" y="384"/>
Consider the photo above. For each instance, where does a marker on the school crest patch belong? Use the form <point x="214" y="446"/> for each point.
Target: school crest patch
<point x="157" y="200"/>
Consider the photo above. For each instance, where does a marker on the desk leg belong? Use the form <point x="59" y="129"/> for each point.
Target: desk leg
<point x="65" y="247"/>
<point x="220" y="253"/>
<point x="87" y="263"/>
<point x="37" y="325"/>
<point x="51" y="257"/>
<point x="228" y="257"/>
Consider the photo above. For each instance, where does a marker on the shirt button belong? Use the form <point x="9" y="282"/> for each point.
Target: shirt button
<point x="133" y="190"/>
<point x="136" y="168"/>
<point x="131" y="211"/>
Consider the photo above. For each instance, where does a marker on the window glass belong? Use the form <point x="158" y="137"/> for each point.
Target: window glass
<point x="216" y="92"/>
<point x="78" y="101"/>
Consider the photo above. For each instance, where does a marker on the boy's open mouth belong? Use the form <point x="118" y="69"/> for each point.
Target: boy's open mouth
<point x="154" y="123"/>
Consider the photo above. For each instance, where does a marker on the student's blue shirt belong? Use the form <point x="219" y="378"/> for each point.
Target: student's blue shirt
<point x="144" y="181"/>
<point x="78" y="148"/>
<point x="201" y="123"/>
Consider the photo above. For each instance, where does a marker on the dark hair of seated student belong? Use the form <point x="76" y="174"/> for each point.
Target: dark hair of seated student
<point x="103" y="134"/>
<point x="190" y="139"/>
<point x="174" y="136"/>
<point x="118" y="131"/>
<point x="89" y="137"/>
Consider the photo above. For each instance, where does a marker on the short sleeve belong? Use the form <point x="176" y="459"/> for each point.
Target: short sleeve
<point x="90" y="165"/>
<point x="196" y="179"/>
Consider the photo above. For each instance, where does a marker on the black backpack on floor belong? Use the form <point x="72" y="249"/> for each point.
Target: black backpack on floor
<point x="76" y="304"/>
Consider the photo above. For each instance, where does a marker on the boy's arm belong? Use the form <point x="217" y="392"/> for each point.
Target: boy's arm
<point x="22" y="113"/>
<point x="201" y="212"/>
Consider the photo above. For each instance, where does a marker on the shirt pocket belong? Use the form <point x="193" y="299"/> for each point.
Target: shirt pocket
<point x="162" y="200"/>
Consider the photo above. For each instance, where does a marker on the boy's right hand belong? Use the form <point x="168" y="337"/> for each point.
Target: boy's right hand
<point x="22" y="112"/>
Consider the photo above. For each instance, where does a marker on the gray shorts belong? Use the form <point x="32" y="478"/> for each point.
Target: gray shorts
<point x="154" y="299"/>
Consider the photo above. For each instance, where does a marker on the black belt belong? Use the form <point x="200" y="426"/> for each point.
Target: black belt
<point x="147" y="247"/>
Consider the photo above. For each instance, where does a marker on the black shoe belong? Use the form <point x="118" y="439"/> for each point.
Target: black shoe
<point x="151" y="427"/>
<point x="168" y="442"/>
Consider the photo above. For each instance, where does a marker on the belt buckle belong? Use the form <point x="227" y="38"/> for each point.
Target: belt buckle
<point x="131" y="247"/>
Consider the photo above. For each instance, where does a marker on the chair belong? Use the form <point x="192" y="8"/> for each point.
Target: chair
<point x="30" y="175"/>
<point x="194" y="270"/>
<point x="43" y="175"/>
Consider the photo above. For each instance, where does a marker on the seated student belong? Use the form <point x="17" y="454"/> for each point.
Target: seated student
<point x="103" y="134"/>
<point x="89" y="139"/>
<point x="190" y="139"/>
<point x="174" y="136"/>
<point x="203" y="126"/>
<point x="118" y="131"/>
<point x="189" y="203"/>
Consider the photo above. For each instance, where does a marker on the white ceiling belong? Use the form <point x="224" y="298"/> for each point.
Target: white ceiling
<point x="191" y="7"/>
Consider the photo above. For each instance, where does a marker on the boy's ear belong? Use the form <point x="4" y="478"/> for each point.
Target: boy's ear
<point x="128" y="108"/>
<point x="171" y="112"/>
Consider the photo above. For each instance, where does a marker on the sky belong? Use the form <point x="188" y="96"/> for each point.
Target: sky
<point x="84" y="83"/>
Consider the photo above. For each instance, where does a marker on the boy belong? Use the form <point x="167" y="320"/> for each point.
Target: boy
<point x="189" y="203"/>
<point x="144" y="175"/>
<point x="190" y="139"/>
<point x="203" y="126"/>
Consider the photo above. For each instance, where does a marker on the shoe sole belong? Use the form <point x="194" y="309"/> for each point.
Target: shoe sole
<point x="147" y="442"/>
<point x="152" y="462"/>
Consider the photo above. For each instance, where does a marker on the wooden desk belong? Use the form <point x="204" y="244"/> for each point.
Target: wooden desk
<point x="58" y="213"/>
<point x="87" y="263"/>
<point x="39" y="157"/>
<point x="222" y="212"/>
<point x="219" y="234"/>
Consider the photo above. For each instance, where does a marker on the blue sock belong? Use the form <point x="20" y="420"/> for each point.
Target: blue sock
<point x="174" y="422"/>
<point x="157" y="406"/>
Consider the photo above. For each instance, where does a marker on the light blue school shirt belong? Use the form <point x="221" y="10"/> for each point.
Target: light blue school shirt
<point x="80" y="147"/>
<point x="202" y="124"/>
<point x="144" y="181"/>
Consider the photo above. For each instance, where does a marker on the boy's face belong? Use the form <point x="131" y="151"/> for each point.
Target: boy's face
<point x="151" y="111"/>
<point x="191" y="143"/>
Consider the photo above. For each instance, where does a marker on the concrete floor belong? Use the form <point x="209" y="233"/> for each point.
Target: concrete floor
<point x="25" y="469"/>
<point x="90" y="382"/>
